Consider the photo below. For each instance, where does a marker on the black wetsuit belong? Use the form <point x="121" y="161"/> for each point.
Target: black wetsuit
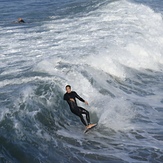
<point x="21" y="21"/>
<point x="75" y="108"/>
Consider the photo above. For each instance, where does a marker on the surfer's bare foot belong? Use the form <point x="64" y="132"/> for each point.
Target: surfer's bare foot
<point x="89" y="126"/>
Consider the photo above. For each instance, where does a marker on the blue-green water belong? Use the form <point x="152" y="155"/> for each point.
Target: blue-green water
<point x="110" y="52"/>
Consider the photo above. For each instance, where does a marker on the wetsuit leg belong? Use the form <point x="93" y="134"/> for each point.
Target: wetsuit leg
<point x="79" y="111"/>
<point x="83" y="121"/>
<point x="83" y="111"/>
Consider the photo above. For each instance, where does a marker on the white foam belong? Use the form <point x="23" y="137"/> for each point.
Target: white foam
<point x="4" y="112"/>
<point x="134" y="35"/>
<point x="115" y="36"/>
<point x="116" y="114"/>
<point x="111" y="39"/>
<point x="120" y="33"/>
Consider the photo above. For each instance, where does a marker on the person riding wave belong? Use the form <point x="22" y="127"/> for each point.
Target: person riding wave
<point x="70" y="97"/>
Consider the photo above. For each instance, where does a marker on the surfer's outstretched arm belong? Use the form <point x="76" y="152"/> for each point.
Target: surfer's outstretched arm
<point x="81" y="99"/>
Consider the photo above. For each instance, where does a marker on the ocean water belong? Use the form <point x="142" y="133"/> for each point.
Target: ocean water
<point x="110" y="52"/>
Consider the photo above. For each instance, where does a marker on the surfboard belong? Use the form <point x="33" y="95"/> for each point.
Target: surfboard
<point x="91" y="127"/>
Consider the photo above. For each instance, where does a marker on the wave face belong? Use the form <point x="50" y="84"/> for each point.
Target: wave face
<point x="110" y="52"/>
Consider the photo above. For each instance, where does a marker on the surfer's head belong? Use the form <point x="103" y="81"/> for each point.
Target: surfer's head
<point x="20" y="20"/>
<point x="68" y="88"/>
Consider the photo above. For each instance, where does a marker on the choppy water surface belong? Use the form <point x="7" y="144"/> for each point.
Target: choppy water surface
<point x="110" y="52"/>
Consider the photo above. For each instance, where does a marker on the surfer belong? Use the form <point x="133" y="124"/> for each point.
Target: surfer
<point x="70" y="97"/>
<point x="20" y="20"/>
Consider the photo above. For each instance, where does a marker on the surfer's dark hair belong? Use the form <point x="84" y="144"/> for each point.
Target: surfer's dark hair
<point x="68" y="86"/>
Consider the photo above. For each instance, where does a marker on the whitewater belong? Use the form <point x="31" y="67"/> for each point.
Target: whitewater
<point x="110" y="52"/>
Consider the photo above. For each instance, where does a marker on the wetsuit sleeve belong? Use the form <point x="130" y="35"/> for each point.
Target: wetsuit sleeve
<point x="78" y="97"/>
